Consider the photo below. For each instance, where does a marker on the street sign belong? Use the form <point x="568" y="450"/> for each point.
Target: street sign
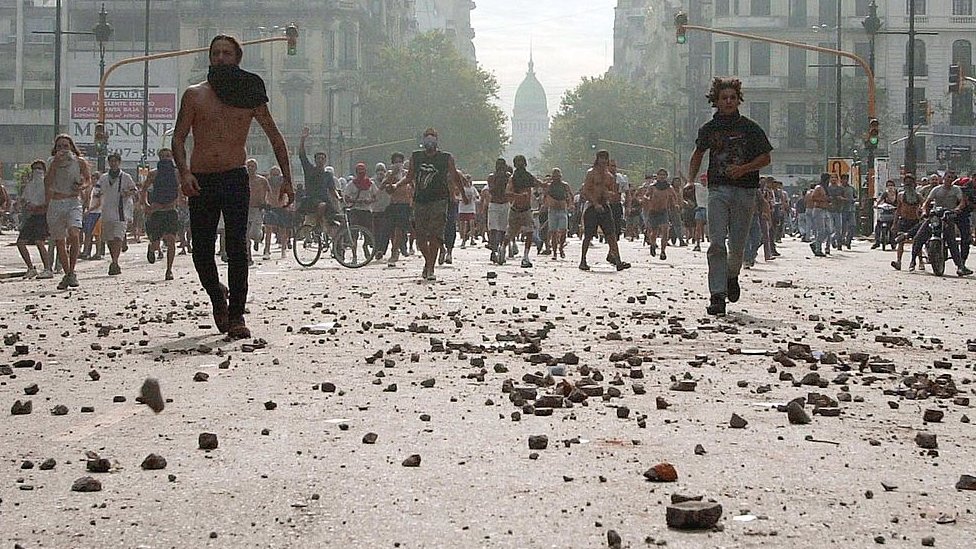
<point x="123" y="118"/>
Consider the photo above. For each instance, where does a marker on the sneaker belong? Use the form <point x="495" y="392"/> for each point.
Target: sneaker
<point x="391" y="262"/>
<point x="663" y="255"/>
<point x="697" y="248"/>
<point x="621" y="265"/>
<point x="963" y="271"/>
<point x="875" y="245"/>
<point x="72" y="279"/>
<point x="63" y="285"/>
<point x="526" y="263"/>
<point x="911" y="266"/>
<point x="150" y="255"/>
<point x="238" y="330"/>
<point x="717" y="305"/>
<point x="255" y="245"/>
<point x="114" y="269"/>
<point x="583" y="266"/>
<point x="494" y="257"/>
<point x="896" y="265"/>
<point x="734" y="289"/>
<point x="266" y="256"/>
<point x="448" y="259"/>
<point x="45" y="274"/>
<point x="31" y="272"/>
<point x="169" y="275"/>
<point x="653" y="250"/>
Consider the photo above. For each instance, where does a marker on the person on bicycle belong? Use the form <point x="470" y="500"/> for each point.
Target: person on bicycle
<point x="321" y="196"/>
<point x="949" y="197"/>
<point x="885" y="214"/>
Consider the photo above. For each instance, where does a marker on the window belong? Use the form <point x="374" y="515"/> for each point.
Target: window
<point x="759" y="59"/>
<point x="722" y="59"/>
<point x="6" y="98"/>
<point x="861" y="8"/>
<point x="828" y="12"/>
<point x="38" y="99"/>
<point x="962" y="7"/>
<point x="798" y="13"/>
<point x="348" y="48"/>
<point x="759" y="113"/>
<point x="798" y="69"/>
<point x="826" y="75"/>
<point x="962" y="103"/>
<point x="919" y="7"/>
<point x="921" y="67"/>
<point x="296" y="110"/>
<point x="796" y="125"/>
<point x="721" y="8"/>
<point x="759" y="8"/>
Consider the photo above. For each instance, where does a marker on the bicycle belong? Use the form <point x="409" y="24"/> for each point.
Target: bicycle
<point x="352" y="246"/>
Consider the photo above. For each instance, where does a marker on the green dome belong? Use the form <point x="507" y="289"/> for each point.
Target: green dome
<point x="531" y="97"/>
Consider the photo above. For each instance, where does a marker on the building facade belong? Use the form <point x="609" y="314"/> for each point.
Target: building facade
<point x="942" y="120"/>
<point x="530" y="117"/>
<point x="453" y="18"/>
<point x="320" y="86"/>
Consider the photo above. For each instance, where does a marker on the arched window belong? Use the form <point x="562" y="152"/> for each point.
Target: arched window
<point x="962" y="103"/>
<point x="921" y="67"/>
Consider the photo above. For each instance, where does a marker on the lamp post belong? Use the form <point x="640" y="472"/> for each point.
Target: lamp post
<point x="910" y="99"/>
<point x="872" y="25"/>
<point x="103" y="32"/>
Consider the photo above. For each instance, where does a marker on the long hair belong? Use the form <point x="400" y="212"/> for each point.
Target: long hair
<point x="71" y="145"/>
<point x="720" y="83"/>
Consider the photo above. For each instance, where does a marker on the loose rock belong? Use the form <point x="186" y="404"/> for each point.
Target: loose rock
<point x="86" y="484"/>
<point x="154" y="462"/>
<point x="693" y="515"/>
<point x="207" y="441"/>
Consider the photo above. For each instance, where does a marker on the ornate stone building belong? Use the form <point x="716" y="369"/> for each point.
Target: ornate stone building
<point x="530" y="119"/>
<point x="453" y="17"/>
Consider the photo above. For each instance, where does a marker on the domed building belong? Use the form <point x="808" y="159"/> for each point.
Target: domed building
<point x="530" y="119"/>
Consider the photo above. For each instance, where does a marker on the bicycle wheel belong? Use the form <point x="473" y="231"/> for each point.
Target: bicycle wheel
<point x="307" y="245"/>
<point x="354" y="247"/>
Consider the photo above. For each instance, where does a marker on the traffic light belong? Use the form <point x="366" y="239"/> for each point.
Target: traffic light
<point x="101" y="140"/>
<point x="874" y="137"/>
<point x="680" y="20"/>
<point x="292" y="33"/>
<point x="955" y="78"/>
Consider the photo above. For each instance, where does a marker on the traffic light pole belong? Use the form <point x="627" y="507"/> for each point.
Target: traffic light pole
<point x="872" y="92"/>
<point x="100" y="133"/>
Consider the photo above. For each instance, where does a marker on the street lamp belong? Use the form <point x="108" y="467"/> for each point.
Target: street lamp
<point x="103" y="32"/>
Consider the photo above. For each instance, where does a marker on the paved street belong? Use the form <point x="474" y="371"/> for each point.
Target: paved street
<point x="292" y="468"/>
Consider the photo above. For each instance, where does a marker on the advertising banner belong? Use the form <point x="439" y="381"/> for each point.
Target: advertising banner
<point x="123" y="119"/>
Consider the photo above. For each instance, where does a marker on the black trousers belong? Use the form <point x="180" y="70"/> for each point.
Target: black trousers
<point x="224" y="193"/>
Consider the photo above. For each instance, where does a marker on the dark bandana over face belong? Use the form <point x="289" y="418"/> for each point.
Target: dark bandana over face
<point x="236" y="87"/>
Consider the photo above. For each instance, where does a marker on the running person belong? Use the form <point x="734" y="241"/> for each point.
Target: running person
<point x="737" y="149"/>
<point x="162" y="219"/>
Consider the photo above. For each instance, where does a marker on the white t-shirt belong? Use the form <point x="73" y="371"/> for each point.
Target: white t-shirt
<point x="472" y="205"/>
<point x="623" y="184"/>
<point x="116" y="194"/>
<point x="701" y="195"/>
<point x="359" y="199"/>
<point x="34" y="191"/>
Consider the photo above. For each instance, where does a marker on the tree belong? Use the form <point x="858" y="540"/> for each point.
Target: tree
<point x="613" y="109"/>
<point x="428" y="84"/>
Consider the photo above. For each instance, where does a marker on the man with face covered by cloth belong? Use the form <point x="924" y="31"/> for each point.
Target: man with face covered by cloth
<point x="219" y="113"/>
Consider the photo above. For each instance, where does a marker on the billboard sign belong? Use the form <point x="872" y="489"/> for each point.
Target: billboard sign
<point x="123" y="119"/>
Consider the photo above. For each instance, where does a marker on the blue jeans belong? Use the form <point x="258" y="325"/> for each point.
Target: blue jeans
<point x="836" y="228"/>
<point x="224" y="193"/>
<point x="850" y="226"/>
<point x="753" y="242"/>
<point x="730" y="213"/>
<point x="820" y="227"/>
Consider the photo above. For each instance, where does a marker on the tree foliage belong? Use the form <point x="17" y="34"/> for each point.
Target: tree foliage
<point x="613" y="109"/>
<point x="428" y="84"/>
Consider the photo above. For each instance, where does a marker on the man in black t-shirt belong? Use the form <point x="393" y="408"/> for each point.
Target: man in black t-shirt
<point x="737" y="149"/>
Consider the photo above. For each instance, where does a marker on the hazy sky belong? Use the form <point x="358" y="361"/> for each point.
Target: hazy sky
<point x="570" y="39"/>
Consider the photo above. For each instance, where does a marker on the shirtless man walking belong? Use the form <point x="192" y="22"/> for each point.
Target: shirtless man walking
<point x="219" y="113"/>
<point x="599" y="191"/>
<point x="259" y="190"/>
<point x="657" y="202"/>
